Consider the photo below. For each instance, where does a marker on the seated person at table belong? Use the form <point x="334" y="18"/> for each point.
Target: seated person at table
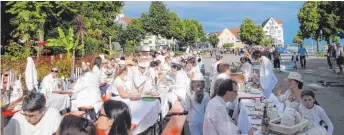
<point x="224" y="73"/>
<point x="117" y="87"/>
<point x="195" y="103"/>
<point x="311" y="111"/>
<point x="114" y="118"/>
<point x="50" y="82"/>
<point x="246" y="67"/>
<point x="216" y="119"/>
<point x="192" y="66"/>
<point x="34" y="118"/>
<point x="167" y="65"/>
<point x="292" y="97"/>
<point x="267" y="76"/>
<point x="17" y="91"/>
<point x="74" y="125"/>
<point x="86" y="90"/>
<point x="180" y="85"/>
<point x="141" y="77"/>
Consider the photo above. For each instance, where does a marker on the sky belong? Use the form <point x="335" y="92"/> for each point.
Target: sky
<point x="215" y="16"/>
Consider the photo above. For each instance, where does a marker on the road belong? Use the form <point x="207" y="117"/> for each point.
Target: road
<point x="330" y="98"/>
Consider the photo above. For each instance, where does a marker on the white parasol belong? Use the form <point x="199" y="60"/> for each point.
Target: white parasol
<point x="31" y="75"/>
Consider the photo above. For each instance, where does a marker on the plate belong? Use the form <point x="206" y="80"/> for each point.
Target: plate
<point x="255" y="91"/>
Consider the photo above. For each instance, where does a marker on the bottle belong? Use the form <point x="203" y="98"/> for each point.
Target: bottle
<point x="265" y="121"/>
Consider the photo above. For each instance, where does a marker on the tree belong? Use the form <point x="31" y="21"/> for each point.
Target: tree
<point x="298" y="38"/>
<point x="309" y="21"/>
<point x="80" y="30"/>
<point x="176" y="27"/>
<point x="228" y="45"/>
<point x="134" y="32"/>
<point x="266" y="41"/>
<point x="250" y="33"/>
<point x="156" y="20"/>
<point x="214" y="40"/>
<point x="191" y="32"/>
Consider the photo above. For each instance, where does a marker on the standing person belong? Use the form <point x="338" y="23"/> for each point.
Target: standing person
<point x="195" y="103"/>
<point x="97" y="67"/>
<point x="267" y="77"/>
<point x="311" y="111"/>
<point x="294" y="59"/>
<point x="302" y="53"/>
<point x="340" y="58"/>
<point x="277" y="60"/>
<point x="329" y="55"/>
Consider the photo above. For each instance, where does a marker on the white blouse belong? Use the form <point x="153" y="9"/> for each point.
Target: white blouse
<point x="115" y="85"/>
<point x="284" y="98"/>
<point x="315" y="115"/>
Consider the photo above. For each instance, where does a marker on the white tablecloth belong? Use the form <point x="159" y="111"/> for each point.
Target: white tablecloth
<point x="243" y="120"/>
<point x="58" y="101"/>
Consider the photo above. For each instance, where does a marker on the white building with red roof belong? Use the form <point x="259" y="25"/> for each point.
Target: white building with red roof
<point x="274" y="30"/>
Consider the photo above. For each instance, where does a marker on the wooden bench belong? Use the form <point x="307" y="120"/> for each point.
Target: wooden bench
<point x="175" y="125"/>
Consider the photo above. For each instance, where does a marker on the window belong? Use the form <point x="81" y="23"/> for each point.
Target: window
<point x="276" y="27"/>
<point x="150" y="41"/>
<point x="266" y="31"/>
<point x="232" y="38"/>
<point x="279" y="31"/>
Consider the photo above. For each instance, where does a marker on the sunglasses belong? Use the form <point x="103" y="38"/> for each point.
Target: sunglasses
<point x="54" y="71"/>
<point x="5" y="74"/>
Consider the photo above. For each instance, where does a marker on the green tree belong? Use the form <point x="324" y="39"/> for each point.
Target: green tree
<point x="250" y="33"/>
<point x="298" y="38"/>
<point x="191" y="32"/>
<point x="156" y="21"/>
<point x="134" y="32"/>
<point x="228" y="45"/>
<point x="176" y="27"/>
<point x="266" y="41"/>
<point x="214" y="40"/>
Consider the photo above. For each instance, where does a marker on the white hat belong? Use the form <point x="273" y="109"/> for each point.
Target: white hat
<point x="121" y="62"/>
<point x="294" y="76"/>
<point x="102" y="56"/>
<point x="143" y="57"/>
<point x="142" y="64"/>
<point x="198" y="76"/>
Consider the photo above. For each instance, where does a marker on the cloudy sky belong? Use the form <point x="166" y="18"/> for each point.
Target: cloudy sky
<point x="215" y="16"/>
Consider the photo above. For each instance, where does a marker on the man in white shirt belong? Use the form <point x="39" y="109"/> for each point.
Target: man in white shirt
<point x="224" y="73"/>
<point x="50" y="82"/>
<point x="34" y="118"/>
<point x="141" y="77"/>
<point x="216" y="119"/>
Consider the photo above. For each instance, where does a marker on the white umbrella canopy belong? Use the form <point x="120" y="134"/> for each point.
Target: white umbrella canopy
<point x="31" y="75"/>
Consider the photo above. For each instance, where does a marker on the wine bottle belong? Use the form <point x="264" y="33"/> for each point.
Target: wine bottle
<point x="265" y="121"/>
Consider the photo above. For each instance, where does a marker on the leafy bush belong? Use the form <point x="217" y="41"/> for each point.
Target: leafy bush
<point x="17" y="52"/>
<point x="228" y="45"/>
<point x="93" y="46"/>
<point x="64" y="66"/>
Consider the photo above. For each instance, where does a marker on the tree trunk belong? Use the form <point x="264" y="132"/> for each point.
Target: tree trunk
<point x="110" y="46"/>
<point x="318" y="44"/>
<point x="73" y="61"/>
<point x="83" y="48"/>
<point x="134" y="46"/>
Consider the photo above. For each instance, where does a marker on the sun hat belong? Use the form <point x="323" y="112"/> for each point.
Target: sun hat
<point x="142" y="64"/>
<point x="294" y="76"/>
<point x="130" y="62"/>
<point x="198" y="76"/>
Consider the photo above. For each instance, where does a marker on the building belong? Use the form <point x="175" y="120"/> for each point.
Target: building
<point x="228" y="36"/>
<point x="155" y="42"/>
<point x="274" y="30"/>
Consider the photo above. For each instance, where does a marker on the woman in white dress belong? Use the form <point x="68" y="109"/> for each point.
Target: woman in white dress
<point x="193" y="67"/>
<point x="181" y="84"/>
<point x="246" y="67"/>
<point x="292" y="97"/>
<point x="118" y="89"/>
<point x="311" y="111"/>
<point x="97" y="68"/>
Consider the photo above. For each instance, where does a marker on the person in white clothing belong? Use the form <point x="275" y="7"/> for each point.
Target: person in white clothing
<point x="50" y="82"/>
<point x="97" y="68"/>
<point x="128" y="80"/>
<point x="141" y="77"/>
<point x="17" y="92"/>
<point x="195" y="103"/>
<point x="192" y="66"/>
<point x="267" y="76"/>
<point x="224" y="73"/>
<point x="216" y="119"/>
<point x="167" y="65"/>
<point x="34" y="118"/>
<point x="316" y="115"/>
<point x="118" y="88"/>
<point x="246" y="67"/>
<point x="180" y="86"/>
<point x="214" y="66"/>
<point x="86" y="91"/>
<point x="292" y="97"/>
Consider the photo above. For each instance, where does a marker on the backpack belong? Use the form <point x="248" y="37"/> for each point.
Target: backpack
<point x="333" y="52"/>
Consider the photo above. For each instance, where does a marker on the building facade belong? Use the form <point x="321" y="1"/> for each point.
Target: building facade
<point x="228" y="36"/>
<point x="274" y="30"/>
